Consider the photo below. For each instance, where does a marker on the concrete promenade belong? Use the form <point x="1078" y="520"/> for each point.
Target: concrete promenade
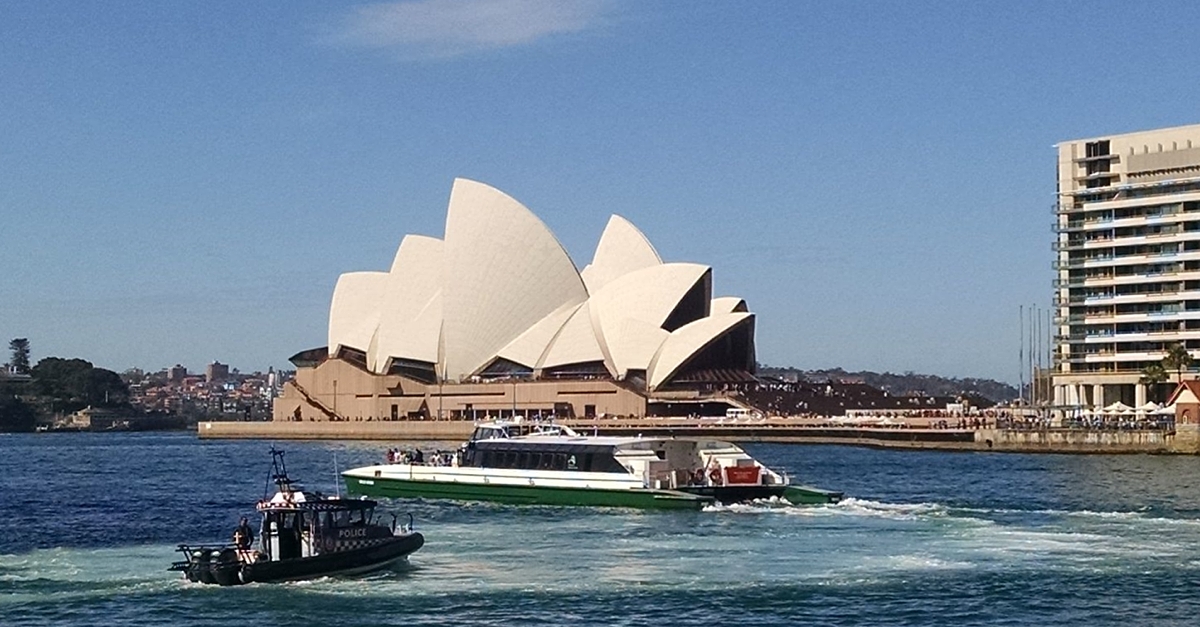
<point x="789" y="430"/>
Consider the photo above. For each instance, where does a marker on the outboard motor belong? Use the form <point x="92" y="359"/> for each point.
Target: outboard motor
<point x="203" y="567"/>
<point x="226" y="569"/>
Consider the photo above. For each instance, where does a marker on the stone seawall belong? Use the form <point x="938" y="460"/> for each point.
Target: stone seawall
<point x="415" y="430"/>
<point x="1070" y="441"/>
<point x="800" y="431"/>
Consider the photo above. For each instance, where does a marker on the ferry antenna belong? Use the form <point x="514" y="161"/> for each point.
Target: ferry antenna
<point x="336" y="486"/>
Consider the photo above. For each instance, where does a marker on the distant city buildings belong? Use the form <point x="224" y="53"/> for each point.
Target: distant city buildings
<point x="176" y="373"/>
<point x="1127" y="262"/>
<point x="216" y="372"/>
<point x="220" y="392"/>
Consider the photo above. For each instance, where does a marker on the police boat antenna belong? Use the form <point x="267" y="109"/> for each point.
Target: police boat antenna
<point x="270" y="472"/>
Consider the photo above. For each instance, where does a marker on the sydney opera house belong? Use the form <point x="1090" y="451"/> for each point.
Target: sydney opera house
<point x="495" y="318"/>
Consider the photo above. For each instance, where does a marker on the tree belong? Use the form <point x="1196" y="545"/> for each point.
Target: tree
<point x="61" y="380"/>
<point x="1153" y="374"/>
<point x="73" y="384"/>
<point x="104" y="388"/>
<point x="15" y="414"/>
<point x="1177" y="359"/>
<point x="20" y="355"/>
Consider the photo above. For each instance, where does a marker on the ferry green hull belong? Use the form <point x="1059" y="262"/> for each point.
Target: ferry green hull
<point x="524" y="495"/>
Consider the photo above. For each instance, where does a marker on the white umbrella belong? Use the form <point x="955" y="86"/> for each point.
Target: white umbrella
<point x="1149" y="407"/>
<point x="1117" y="408"/>
<point x="1166" y="409"/>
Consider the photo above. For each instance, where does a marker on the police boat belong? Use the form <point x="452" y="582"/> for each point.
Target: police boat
<point x="302" y="536"/>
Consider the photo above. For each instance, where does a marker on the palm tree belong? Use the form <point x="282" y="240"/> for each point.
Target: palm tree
<point x="1177" y="359"/>
<point x="1153" y="375"/>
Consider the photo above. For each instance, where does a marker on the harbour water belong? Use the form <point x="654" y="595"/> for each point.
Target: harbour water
<point x="926" y="538"/>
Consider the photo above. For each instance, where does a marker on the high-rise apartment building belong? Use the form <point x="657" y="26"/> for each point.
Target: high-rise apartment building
<point x="216" y="372"/>
<point x="1127" y="261"/>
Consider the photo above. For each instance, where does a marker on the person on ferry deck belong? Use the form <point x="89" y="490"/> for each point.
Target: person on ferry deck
<point x="243" y="536"/>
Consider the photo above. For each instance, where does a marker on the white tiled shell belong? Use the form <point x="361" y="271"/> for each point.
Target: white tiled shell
<point x="354" y="311"/>
<point x="622" y="249"/>
<point x="500" y="285"/>
<point x="413" y="283"/>
<point x="504" y="271"/>
<point x="575" y="343"/>
<point x="727" y="304"/>
<point x="648" y="295"/>
<point x="529" y="347"/>
<point x="637" y="341"/>
<point x="688" y="340"/>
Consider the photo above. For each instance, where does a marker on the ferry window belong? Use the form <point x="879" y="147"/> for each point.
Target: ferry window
<point x="535" y="460"/>
<point x="587" y="462"/>
<point x="560" y="462"/>
<point x="606" y="463"/>
<point x="524" y="460"/>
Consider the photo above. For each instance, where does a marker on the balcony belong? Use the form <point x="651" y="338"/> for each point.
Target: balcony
<point x="1114" y="157"/>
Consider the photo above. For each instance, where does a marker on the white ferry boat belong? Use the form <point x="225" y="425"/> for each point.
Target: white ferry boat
<point x="550" y="464"/>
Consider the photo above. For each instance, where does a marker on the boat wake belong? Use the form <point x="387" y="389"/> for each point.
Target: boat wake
<point x="846" y="507"/>
<point x="63" y="574"/>
<point x="926" y="511"/>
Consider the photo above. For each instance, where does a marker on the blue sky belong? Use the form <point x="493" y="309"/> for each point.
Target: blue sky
<point x="185" y="182"/>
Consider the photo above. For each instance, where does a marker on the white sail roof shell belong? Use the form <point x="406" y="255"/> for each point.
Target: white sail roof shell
<point x="354" y="310"/>
<point x="622" y="249"/>
<point x="727" y="304"/>
<point x="636" y="343"/>
<point x="413" y="283"/>
<point x="529" y="347"/>
<point x="499" y="285"/>
<point x="688" y="340"/>
<point x="575" y="343"/>
<point x="421" y="339"/>
<point x="504" y="271"/>
<point x="648" y="295"/>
